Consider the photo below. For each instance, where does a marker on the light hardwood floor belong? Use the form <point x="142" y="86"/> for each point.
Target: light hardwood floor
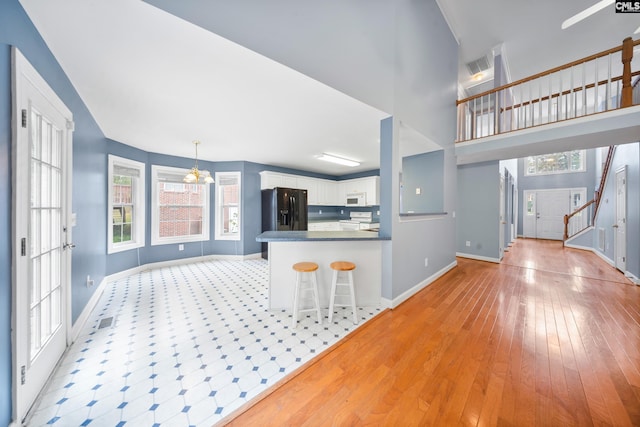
<point x="550" y="337"/>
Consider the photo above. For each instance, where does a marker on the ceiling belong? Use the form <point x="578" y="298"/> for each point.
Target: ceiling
<point x="529" y="34"/>
<point x="155" y="81"/>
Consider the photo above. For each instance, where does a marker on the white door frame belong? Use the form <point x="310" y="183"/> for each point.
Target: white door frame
<point x="529" y="222"/>
<point x="25" y="79"/>
<point x="620" y="226"/>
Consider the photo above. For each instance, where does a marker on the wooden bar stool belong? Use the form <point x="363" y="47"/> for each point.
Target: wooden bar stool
<point x="347" y="268"/>
<point x="307" y="269"/>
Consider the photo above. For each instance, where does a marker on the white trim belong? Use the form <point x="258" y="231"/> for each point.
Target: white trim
<point x="88" y="308"/>
<point x="478" y="257"/>
<point x="417" y="288"/>
<point x="632" y="277"/>
<point x="139" y="205"/>
<point x="575" y="236"/>
<point x="595" y="251"/>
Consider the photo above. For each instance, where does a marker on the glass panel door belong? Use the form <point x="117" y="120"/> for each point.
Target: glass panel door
<point x="45" y="232"/>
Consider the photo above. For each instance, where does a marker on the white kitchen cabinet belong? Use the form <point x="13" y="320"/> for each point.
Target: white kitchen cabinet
<point x="311" y="186"/>
<point x="275" y="179"/>
<point x="325" y="192"/>
<point x="369" y="185"/>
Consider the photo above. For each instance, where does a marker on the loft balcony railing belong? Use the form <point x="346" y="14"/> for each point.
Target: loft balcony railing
<point x="598" y="83"/>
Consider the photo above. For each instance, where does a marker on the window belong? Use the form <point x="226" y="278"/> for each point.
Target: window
<point x="180" y="211"/>
<point x="227" y="205"/>
<point x="565" y="162"/>
<point x="126" y="205"/>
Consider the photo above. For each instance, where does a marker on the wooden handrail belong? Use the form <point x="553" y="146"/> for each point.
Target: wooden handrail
<point x="596" y="200"/>
<point x="567" y="92"/>
<point x="572" y="214"/>
<point x="556" y="69"/>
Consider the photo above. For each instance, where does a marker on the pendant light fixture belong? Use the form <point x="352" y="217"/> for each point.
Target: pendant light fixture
<point x="194" y="176"/>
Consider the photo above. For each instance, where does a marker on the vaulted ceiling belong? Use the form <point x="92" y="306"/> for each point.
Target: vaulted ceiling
<point x="268" y="81"/>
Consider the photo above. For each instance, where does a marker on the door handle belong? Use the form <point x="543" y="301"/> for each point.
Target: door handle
<point x="68" y="246"/>
<point x="615" y="225"/>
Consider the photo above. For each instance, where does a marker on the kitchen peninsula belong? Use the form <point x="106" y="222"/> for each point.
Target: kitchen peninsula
<point x="323" y="247"/>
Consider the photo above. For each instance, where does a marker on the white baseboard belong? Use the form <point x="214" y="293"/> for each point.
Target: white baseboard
<point x="426" y="282"/>
<point x="604" y="257"/>
<point x="632" y="277"/>
<point x="88" y="309"/>
<point x="478" y="257"/>
<point x="385" y="303"/>
<point x="93" y="301"/>
<point x="584" y="248"/>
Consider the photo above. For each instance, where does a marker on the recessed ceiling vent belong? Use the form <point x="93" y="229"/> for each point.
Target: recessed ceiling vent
<point x="481" y="64"/>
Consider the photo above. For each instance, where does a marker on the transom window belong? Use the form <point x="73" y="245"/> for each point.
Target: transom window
<point x="227" y="205"/>
<point x="564" y="162"/>
<point x="180" y="211"/>
<point x="126" y="204"/>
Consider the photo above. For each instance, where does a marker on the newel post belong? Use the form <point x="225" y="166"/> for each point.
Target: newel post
<point x="627" y="56"/>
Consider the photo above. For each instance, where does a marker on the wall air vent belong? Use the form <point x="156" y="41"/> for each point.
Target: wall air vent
<point x="481" y="64"/>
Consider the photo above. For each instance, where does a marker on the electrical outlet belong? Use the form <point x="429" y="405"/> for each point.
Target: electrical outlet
<point x="453" y="214"/>
<point x="89" y="281"/>
<point x="377" y="212"/>
<point x="468" y="243"/>
<point x="320" y="212"/>
<point x="341" y="211"/>
<point x="426" y="262"/>
<point x="418" y="191"/>
<point x="181" y="247"/>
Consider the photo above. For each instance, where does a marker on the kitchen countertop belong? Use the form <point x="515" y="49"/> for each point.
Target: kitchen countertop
<point x="315" y="236"/>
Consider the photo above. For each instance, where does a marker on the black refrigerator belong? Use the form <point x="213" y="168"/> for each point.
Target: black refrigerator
<point x="283" y="209"/>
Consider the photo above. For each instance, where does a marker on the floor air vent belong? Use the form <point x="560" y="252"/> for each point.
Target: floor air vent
<point x="105" y="323"/>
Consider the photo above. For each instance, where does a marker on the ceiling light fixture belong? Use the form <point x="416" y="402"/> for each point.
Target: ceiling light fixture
<point x="194" y="175"/>
<point x="339" y="160"/>
<point x="586" y="13"/>
<point x="478" y="76"/>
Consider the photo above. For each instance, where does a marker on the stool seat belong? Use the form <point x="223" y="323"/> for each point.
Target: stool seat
<point x="306" y="282"/>
<point x="342" y="265"/>
<point x="305" y="267"/>
<point x="346" y="268"/>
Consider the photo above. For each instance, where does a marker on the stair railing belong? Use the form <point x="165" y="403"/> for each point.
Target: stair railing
<point x="579" y="220"/>
<point x="587" y="86"/>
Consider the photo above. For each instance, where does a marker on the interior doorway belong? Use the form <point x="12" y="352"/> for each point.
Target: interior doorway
<point x="620" y="226"/>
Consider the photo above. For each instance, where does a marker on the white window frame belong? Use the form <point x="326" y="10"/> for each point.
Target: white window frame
<point x="179" y="173"/>
<point x="138" y="199"/>
<point x="219" y="235"/>
<point x="583" y="165"/>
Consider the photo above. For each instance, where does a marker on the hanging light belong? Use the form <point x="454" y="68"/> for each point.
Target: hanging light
<point x="194" y="175"/>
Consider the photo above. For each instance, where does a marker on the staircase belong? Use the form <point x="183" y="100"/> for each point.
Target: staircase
<point x="570" y="220"/>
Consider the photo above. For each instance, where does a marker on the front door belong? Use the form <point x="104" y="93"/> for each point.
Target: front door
<point x="41" y="275"/>
<point x="620" y="227"/>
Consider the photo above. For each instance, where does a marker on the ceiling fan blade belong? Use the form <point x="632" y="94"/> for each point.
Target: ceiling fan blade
<point x="586" y="13"/>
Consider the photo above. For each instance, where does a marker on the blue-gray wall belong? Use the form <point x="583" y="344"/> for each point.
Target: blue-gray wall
<point x="425" y="83"/>
<point x="479" y="209"/>
<point x="88" y="147"/>
<point x="626" y="155"/>
<point x="5" y="232"/>
<point x="426" y="172"/>
<point x="561" y="180"/>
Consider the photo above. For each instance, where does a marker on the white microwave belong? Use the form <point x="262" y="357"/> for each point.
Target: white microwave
<point x="356" y="199"/>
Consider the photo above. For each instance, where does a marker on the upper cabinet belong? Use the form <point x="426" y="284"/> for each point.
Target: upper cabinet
<point x="369" y="186"/>
<point x="325" y="192"/>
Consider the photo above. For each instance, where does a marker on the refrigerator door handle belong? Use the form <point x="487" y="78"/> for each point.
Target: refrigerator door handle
<point x="292" y="203"/>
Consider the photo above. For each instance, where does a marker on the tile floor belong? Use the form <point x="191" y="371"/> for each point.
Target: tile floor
<point x="188" y="345"/>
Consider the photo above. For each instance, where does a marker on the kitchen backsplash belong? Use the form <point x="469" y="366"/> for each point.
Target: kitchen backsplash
<point x="320" y="213"/>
